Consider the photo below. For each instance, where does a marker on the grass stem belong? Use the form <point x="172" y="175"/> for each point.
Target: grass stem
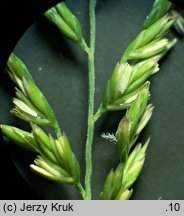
<point x="90" y="131"/>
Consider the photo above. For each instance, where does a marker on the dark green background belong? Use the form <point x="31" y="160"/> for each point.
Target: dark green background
<point x="59" y="68"/>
